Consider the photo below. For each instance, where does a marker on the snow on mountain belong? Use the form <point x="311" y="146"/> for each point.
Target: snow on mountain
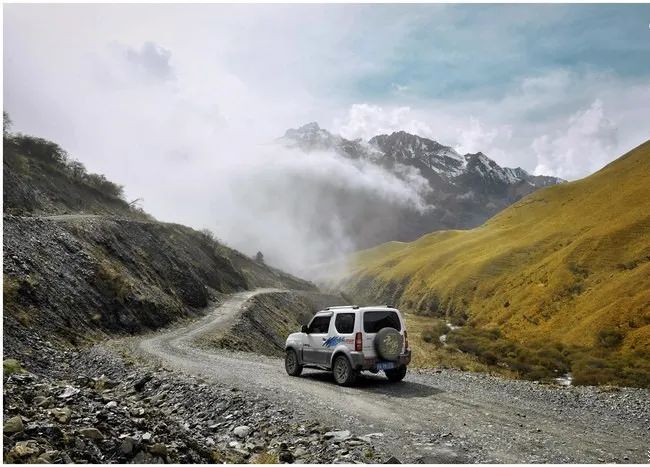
<point x="408" y="149"/>
<point x="465" y="189"/>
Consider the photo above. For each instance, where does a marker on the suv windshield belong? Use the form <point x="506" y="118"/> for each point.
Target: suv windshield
<point x="373" y="321"/>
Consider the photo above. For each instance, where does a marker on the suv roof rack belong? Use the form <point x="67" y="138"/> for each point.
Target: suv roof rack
<point x="354" y="307"/>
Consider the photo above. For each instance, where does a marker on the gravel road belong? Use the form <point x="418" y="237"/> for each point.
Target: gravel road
<point x="433" y="416"/>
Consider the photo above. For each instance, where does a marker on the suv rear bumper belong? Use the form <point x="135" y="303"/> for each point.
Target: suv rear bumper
<point x="359" y="362"/>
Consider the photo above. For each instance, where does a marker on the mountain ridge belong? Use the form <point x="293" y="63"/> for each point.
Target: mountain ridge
<point x="464" y="190"/>
<point x="401" y="145"/>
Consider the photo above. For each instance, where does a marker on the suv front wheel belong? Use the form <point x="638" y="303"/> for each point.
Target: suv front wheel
<point x="343" y="372"/>
<point x="291" y="363"/>
<point x="396" y="374"/>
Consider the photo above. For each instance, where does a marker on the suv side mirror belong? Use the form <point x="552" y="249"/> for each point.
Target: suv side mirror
<point x="304" y="329"/>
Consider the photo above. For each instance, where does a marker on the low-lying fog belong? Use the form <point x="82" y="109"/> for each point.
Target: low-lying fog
<point x="303" y="209"/>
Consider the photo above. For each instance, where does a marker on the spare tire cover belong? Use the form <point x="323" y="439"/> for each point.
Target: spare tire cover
<point x="388" y="343"/>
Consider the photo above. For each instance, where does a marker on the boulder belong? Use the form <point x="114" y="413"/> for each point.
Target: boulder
<point x="242" y="431"/>
<point x="91" y="433"/>
<point x="13" y="425"/>
<point x="68" y="392"/>
<point x="158" y="449"/>
<point x="62" y="415"/>
<point x="340" y="435"/>
<point x="25" y="448"/>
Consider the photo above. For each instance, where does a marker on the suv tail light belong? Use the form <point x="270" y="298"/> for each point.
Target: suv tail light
<point x="406" y="341"/>
<point x="358" y="342"/>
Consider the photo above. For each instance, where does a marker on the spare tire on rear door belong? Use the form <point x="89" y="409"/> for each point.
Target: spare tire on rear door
<point x="388" y="343"/>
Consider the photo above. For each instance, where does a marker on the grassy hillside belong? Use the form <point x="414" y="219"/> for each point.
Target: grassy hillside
<point x="568" y="265"/>
<point x="40" y="178"/>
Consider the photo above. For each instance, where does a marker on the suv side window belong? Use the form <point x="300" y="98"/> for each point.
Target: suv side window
<point x="344" y="323"/>
<point x="320" y="325"/>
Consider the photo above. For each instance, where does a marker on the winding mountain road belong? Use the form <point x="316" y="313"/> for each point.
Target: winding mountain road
<point x="433" y="417"/>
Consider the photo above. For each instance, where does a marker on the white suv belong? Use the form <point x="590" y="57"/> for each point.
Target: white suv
<point x="349" y="339"/>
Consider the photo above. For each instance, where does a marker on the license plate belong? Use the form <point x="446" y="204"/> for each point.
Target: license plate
<point x="385" y="365"/>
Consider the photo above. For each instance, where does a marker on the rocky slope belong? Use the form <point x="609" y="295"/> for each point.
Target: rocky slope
<point x="465" y="190"/>
<point x="267" y="319"/>
<point x="79" y="265"/>
<point x="564" y="274"/>
<point x="93" y="406"/>
<point x="102" y="268"/>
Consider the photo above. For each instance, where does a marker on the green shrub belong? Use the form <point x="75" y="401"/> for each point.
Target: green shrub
<point x="18" y="146"/>
<point x="11" y="366"/>
<point x="115" y="281"/>
<point x="10" y="287"/>
<point x="433" y="333"/>
<point x="530" y="362"/>
<point x="610" y="338"/>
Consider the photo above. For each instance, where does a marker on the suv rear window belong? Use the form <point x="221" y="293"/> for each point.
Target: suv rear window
<point x="344" y="323"/>
<point x="320" y="325"/>
<point x="373" y="321"/>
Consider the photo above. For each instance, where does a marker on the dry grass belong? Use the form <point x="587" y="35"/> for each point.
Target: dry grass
<point x="431" y="355"/>
<point x="562" y="265"/>
<point x="265" y="458"/>
<point x="115" y="279"/>
<point x="10" y="286"/>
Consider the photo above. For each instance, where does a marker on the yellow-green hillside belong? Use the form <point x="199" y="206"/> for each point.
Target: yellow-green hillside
<point x="568" y="264"/>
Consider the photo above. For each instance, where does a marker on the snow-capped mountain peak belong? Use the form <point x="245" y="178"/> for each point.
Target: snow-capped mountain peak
<point x="465" y="190"/>
<point x="409" y="149"/>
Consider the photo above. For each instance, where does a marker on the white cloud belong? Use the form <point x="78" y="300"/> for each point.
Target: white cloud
<point x="477" y="136"/>
<point x="175" y="117"/>
<point x="296" y="208"/>
<point x="536" y="110"/>
<point x="586" y="144"/>
<point x="365" y="121"/>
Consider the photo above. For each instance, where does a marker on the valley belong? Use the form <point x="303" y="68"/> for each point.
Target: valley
<point x="557" y="281"/>
<point x="126" y="339"/>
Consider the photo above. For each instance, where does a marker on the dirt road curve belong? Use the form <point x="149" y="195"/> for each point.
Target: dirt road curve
<point x="449" y="416"/>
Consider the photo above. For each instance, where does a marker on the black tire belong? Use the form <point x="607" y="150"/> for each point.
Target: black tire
<point x="291" y="364"/>
<point x="396" y="375"/>
<point x="344" y="374"/>
<point x="388" y="344"/>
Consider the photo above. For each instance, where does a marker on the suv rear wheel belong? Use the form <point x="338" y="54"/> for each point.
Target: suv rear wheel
<point x="343" y="372"/>
<point x="291" y="363"/>
<point x="396" y="374"/>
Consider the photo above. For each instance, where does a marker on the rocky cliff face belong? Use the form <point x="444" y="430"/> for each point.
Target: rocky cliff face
<point x="269" y="318"/>
<point x="465" y="190"/>
<point x="80" y="263"/>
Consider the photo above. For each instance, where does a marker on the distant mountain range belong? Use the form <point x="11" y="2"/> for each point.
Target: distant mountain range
<point x="466" y="189"/>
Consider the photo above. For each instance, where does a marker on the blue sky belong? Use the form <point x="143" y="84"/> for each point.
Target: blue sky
<point x="483" y="50"/>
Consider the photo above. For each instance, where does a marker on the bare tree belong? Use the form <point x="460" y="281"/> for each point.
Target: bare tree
<point x="6" y="123"/>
